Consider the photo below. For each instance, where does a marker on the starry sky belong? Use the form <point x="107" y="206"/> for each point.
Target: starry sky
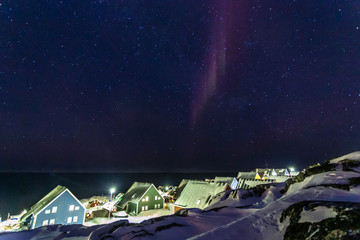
<point x="112" y="85"/>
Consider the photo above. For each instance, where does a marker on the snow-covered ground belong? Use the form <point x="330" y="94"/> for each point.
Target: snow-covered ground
<point x="131" y="219"/>
<point x="318" y="214"/>
<point x="262" y="213"/>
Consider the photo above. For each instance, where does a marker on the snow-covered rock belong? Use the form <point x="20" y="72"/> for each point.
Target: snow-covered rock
<point x="351" y="156"/>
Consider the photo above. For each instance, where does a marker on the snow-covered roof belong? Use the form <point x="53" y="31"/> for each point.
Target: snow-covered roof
<point x="246" y="175"/>
<point x="198" y="194"/>
<point x="272" y="171"/>
<point x="228" y="180"/>
<point x="135" y="192"/>
<point x="184" y="182"/>
<point x="44" y="201"/>
<point x="181" y="187"/>
<point x="350" y="156"/>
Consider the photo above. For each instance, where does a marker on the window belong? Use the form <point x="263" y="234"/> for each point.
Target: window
<point x="77" y="208"/>
<point x="47" y="211"/>
<point x="142" y="208"/>
<point x="52" y="221"/>
<point x="143" y="200"/>
<point x="54" y="209"/>
<point x="45" y="222"/>
<point x="159" y="205"/>
<point x="69" y="219"/>
<point x="75" y="219"/>
<point x="71" y="208"/>
<point x="147" y="198"/>
<point x="146" y="208"/>
<point x="155" y="206"/>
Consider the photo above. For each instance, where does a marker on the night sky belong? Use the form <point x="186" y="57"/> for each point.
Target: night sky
<point x="174" y="85"/>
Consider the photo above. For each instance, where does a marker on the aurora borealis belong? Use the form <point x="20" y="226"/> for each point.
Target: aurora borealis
<point x="177" y="85"/>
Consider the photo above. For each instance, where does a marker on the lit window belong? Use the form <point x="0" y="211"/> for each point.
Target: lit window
<point x="155" y="197"/>
<point x="77" y="208"/>
<point x="147" y="198"/>
<point x="45" y="222"/>
<point x="47" y="211"/>
<point x="146" y="208"/>
<point x="52" y="221"/>
<point x="143" y="200"/>
<point x="155" y="206"/>
<point x="142" y="208"/>
<point x="69" y="219"/>
<point x="75" y="219"/>
<point x="54" y="209"/>
<point x="159" y="205"/>
<point x="71" y="208"/>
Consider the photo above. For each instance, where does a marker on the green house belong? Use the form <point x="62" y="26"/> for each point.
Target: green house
<point x="141" y="197"/>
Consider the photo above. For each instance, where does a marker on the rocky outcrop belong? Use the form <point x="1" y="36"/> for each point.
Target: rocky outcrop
<point x="345" y="225"/>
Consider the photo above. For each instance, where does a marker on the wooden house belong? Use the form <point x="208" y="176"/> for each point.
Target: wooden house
<point x="141" y="197"/>
<point x="248" y="175"/>
<point x="199" y="194"/>
<point x="281" y="172"/>
<point x="233" y="182"/>
<point x="182" y="185"/>
<point x="59" y="206"/>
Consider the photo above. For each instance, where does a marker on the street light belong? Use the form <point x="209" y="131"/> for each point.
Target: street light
<point x="112" y="190"/>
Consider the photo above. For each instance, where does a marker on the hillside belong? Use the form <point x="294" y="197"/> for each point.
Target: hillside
<point x="322" y="202"/>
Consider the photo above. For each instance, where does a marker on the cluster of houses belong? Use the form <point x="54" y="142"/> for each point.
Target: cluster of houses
<point x="60" y="206"/>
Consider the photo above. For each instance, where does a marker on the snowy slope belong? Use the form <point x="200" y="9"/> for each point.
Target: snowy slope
<point x="322" y="202"/>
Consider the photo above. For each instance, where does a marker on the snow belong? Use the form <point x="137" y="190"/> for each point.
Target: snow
<point x="8" y="225"/>
<point x="332" y="177"/>
<point x="350" y="156"/>
<point x="231" y="215"/>
<point x="317" y="214"/>
<point x="110" y="205"/>
<point x="145" y="215"/>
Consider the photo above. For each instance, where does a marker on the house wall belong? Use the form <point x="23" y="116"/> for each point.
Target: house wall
<point x="151" y="193"/>
<point x="177" y="208"/>
<point x="131" y="208"/>
<point x="234" y="184"/>
<point x="62" y="213"/>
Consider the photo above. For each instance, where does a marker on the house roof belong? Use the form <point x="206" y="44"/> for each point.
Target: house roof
<point x="269" y="171"/>
<point x="182" y="185"/>
<point x="281" y="171"/>
<point x="198" y="194"/>
<point x="228" y="180"/>
<point x="44" y="201"/>
<point x="246" y="175"/>
<point x="134" y="193"/>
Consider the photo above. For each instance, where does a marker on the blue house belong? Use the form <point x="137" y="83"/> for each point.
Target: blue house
<point x="59" y="206"/>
